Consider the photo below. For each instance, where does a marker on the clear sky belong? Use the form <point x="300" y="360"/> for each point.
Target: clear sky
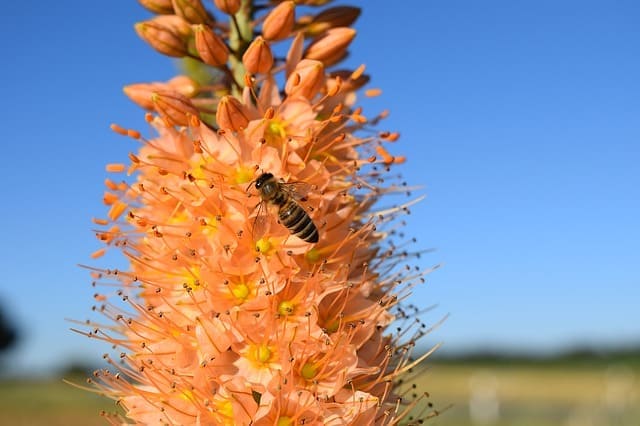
<point x="521" y="120"/>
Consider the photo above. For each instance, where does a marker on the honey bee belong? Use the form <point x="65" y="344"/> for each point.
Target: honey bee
<point x="290" y="213"/>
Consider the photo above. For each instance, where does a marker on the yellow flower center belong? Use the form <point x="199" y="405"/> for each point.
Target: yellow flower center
<point x="276" y="132"/>
<point x="178" y="217"/>
<point x="332" y="327"/>
<point x="263" y="245"/>
<point x="191" y="279"/>
<point x="224" y="408"/>
<point x="263" y="354"/>
<point x="284" y="421"/>
<point x="197" y="169"/>
<point x="240" y="291"/>
<point x="286" y="307"/>
<point x="259" y="355"/>
<point x="309" y="371"/>
<point x="211" y="226"/>
<point x="242" y="175"/>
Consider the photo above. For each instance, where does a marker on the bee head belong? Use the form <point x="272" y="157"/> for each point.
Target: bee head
<point x="262" y="179"/>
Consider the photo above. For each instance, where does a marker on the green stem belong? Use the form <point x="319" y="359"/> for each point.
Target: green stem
<point x="240" y="37"/>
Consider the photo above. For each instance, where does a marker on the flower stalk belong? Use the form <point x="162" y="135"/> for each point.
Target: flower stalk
<point x="263" y="276"/>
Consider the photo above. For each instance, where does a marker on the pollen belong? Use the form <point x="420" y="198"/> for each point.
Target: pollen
<point x="372" y="93"/>
<point x="98" y="221"/>
<point x="111" y="184"/>
<point x="115" y="167"/>
<point x="98" y="253"/>
<point x="116" y="210"/>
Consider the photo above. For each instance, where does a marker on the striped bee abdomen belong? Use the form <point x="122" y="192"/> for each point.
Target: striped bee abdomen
<point x="299" y="223"/>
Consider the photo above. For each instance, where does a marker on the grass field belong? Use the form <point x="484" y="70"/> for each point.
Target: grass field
<point x="50" y="402"/>
<point x="534" y="395"/>
<point x="494" y="395"/>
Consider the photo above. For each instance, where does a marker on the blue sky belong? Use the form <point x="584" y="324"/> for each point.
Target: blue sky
<point x="522" y="121"/>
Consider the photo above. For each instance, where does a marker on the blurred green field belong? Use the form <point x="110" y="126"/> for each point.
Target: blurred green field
<point x="50" y="402"/>
<point x="534" y="395"/>
<point x="496" y="395"/>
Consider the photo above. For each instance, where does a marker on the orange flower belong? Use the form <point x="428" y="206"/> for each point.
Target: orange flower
<point x="289" y="407"/>
<point x="225" y="316"/>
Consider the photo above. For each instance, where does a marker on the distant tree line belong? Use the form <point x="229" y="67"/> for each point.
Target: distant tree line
<point x="8" y="333"/>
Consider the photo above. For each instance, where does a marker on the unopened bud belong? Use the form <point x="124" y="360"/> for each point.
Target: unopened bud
<point x="162" y="7"/>
<point x="279" y="23"/>
<point x="184" y="85"/>
<point x="294" y="55"/>
<point x="192" y="11"/>
<point x="168" y="34"/>
<point x="258" y="57"/>
<point x="142" y="93"/>
<point x="230" y="7"/>
<point x="210" y="46"/>
<point x="173" y="107"/>
<point x="231" y="114"/>
<point x="306" y="80"/>
<point x="331" y="46"/>
<point x="340" y="16"/>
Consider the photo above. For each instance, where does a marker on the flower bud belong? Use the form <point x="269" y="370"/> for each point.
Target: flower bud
<point x="306" y="80"/>
<point x="231" y="114"/>
<point x="192" y="11"/>
<point x="184" y="85"/>
<point x="173" y="107"/>
<point x="141" y="94"/>
<point x="210" y="46"/>
<point x="332" y="46"/>
<point x="340" y="16"/>
<point x="162" y="7"/>
<point x="168" y="34"/>
<point x="294" y="55"/>
<point x="258" y="57"/>
<point x="230" y="7"/>
<point x="279" y="23"/>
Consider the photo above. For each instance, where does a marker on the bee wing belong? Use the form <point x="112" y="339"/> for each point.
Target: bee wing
<point x="297" y="190"/>
<point x="259" y="227"/>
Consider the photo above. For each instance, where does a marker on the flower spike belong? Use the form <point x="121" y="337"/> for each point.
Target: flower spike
<point x="264" y="284"/>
